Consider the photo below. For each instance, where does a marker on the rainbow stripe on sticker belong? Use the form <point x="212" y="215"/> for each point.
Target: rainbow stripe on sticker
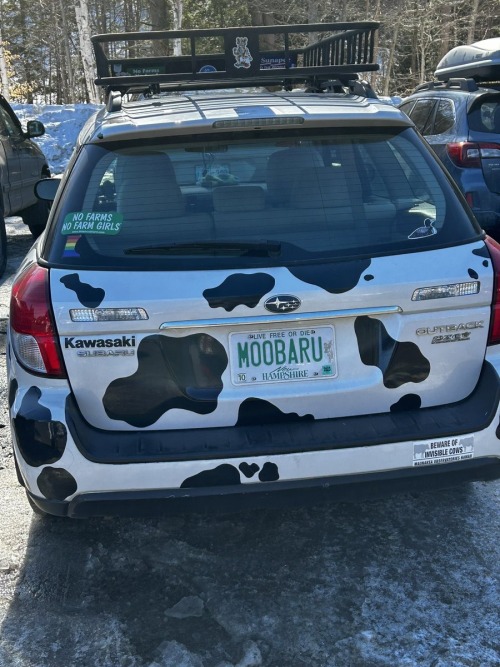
<point x="69" y="248"/>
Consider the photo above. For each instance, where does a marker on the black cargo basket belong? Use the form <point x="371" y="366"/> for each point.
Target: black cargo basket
<point x="235" y="57"/>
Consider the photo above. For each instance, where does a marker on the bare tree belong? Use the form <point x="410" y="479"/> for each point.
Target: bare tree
<point x="4" y="79"/>
<point x="84" y="33"/>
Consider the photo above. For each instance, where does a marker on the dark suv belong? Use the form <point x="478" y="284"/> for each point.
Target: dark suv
<point x="460" y="119"/>
<point x="22" y="164"/>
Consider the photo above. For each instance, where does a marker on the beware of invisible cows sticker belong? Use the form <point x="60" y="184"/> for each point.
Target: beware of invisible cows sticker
<point x="92" y="223"/>
<point x="445" y="450"/>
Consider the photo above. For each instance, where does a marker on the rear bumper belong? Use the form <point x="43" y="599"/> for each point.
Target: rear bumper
<point x="471" y="415"/>
<point x="72" y="472"/>
<point x="237" y="498"/>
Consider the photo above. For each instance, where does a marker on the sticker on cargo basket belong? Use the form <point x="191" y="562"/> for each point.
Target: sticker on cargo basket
<point x="444" y="450"/>
<point x="91" y="222"/>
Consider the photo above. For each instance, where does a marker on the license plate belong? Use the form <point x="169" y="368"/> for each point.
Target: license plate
<point x="282" y="355"/>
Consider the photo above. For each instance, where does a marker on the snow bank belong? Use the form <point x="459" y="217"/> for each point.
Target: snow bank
<point x="62" y="125"/>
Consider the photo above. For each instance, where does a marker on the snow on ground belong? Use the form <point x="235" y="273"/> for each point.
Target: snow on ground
<point x="62" y="125"/>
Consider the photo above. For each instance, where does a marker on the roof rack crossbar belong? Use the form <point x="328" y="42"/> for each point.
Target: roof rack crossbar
<point x="457" y="83"/>
<point x="343" y="49"/>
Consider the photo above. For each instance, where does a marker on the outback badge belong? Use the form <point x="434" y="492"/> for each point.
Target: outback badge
<point x="282" y="303"/>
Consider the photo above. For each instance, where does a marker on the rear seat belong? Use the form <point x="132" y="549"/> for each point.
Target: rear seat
<point x="326" y="206"/>
<point x="240" y="212"/>
<point x="322" y="212"/>
<point x="151" y="201"/>
<point x="152" y="205"/>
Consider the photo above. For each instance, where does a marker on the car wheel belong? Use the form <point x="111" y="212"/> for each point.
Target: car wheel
<point x="35" y="217"/>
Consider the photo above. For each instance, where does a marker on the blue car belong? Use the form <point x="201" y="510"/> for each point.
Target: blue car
<point x="459" y="116"/>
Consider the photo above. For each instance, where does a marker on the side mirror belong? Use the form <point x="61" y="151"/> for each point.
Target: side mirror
<point x="34" y="128"/>
<point x="46" y="188"/>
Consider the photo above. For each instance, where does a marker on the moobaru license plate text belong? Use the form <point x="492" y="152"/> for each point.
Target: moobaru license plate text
<point x="282" y="355"/>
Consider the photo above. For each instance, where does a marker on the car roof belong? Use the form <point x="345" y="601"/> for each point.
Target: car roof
<point x="207" y="112"/>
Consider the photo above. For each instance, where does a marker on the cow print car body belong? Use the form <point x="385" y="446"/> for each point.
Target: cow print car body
<point x="225" y="316"/>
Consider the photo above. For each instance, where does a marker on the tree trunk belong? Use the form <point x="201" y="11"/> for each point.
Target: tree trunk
<point x="159" y="21"/>
<point x="84" y="33"/>
<point x="4" y="79"/>
<point x="390" y="62"/>
<point x="177" y="10"/>
<point x="473" y="20"/>
<point x="69" y="92"/>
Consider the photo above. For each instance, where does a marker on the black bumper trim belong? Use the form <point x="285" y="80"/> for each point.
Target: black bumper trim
<point x="470" y="415"/>
<point x="244" y="497"/>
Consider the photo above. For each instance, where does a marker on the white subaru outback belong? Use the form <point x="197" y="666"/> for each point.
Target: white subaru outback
<point x="245" y="297"/>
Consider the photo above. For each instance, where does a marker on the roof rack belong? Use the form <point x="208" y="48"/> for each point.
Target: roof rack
<point x="468" y="85"/>
<point x="241" y="59"/>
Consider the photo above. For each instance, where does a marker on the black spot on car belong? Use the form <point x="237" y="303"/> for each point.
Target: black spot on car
<point x="407" y="402"/>
<point x="224" y="475"/>
<point x="240" y="289"/>
<point x="486" y="263"/>
<point x="335" y="277"/>
<point x="369" y="277"/>
<point x="88" y="296"/>
<point x="249" y="469"/>
<point x="56" y="483"/>
<point x="473" y="274"/>
<point x="12" y="392"/>
<point x="481" y="252"/>
<point x="257" y="411"/>
<point x="31" y="408"/>
<point x="184" y="373"/>
<point x="269" y="473"/>
<point x="400" y="362"/>
<point x="40" y="439"/>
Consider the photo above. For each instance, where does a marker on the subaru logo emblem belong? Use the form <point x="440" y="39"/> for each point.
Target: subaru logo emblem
<point x="282" y="303"/>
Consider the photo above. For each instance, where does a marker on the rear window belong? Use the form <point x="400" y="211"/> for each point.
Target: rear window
<point x="485" y="116"/>
<point x="254" y="199"/>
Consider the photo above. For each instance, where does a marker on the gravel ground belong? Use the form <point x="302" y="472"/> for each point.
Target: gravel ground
<point x="409" y="580"/>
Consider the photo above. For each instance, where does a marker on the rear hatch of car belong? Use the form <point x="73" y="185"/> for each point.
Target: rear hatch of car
<point x="261" y="277"/>
<point x="484" y="137"/>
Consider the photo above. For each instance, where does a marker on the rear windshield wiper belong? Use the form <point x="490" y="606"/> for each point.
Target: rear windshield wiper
<point x="242" y="249"/>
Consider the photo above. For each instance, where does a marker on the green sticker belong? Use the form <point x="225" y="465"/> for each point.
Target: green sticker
<point x="92" y="223"/>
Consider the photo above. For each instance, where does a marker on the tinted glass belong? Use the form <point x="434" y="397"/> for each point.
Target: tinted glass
<point x="485" y="117"/>
<point x="254" y="199"/>
<point x="445" y="117"/>
<point x="7" y="125"/>
<point x="421" y="115"/>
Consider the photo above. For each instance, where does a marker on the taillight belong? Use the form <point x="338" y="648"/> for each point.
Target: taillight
<point x="470" y="154"/>
<point x="33" y="331"/>
<point x="469" y="197"/>
<point x="494" y="334"/>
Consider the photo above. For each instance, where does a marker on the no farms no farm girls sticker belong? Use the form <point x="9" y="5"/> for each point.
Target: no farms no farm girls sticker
<point x="91" y="222"/>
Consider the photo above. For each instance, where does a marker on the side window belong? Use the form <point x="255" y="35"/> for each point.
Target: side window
<point x="421" y="115"/>
<point x="7" y="126"/>
<point x="407" y="107"/>
<point x="445" y="117"/>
